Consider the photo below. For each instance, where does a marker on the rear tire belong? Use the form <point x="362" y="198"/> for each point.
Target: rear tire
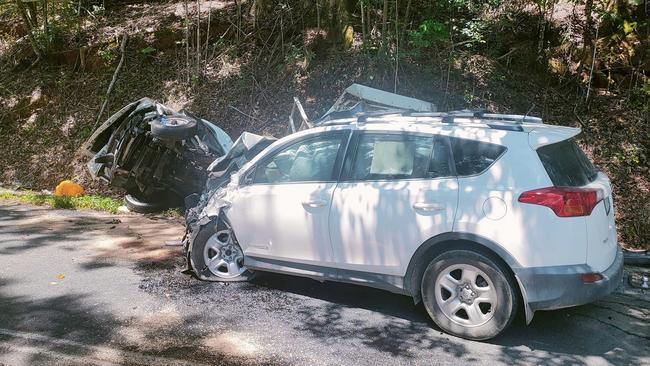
<point x="469" y="295"/>
<point x="136" y="205"/>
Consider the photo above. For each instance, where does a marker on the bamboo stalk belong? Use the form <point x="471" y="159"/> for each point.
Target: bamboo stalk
<point x="187" y="41"/>
<point x="207" y="36"/>
<point x="198" y="38"/>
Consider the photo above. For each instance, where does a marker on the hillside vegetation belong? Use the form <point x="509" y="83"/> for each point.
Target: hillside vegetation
<point x="583" y="63"/>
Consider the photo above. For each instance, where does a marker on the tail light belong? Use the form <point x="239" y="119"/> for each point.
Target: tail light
<point x="591" y="277"/>
<point x="564" y="201"/>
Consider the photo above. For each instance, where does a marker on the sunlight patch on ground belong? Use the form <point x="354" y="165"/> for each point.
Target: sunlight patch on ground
<point x="36" y="95"/>
<point x="234" y="344"/>
<point x="179" y="10"/>
<point x="177" y="95"/>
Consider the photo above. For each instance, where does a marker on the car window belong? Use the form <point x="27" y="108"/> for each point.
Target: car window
<point x="386" y="156"/>
<point x="474" y="157"/>
<point x="566" y="164"/>
<point x="307" y="160"/>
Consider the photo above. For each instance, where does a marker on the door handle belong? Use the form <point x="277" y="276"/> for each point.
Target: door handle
<point x="427" y="206"/>
<point x="315" y="203"/>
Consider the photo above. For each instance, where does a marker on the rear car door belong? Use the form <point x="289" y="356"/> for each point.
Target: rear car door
<point x="280" y="213"/>
<point x="397" y="190"/>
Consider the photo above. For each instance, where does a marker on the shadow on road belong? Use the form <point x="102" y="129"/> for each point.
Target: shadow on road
<point x="287" y="313"/>
<point x="614" y="328"/>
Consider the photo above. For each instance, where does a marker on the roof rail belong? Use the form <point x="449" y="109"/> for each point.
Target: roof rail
<point x="510" y="122"/>
<point x="449" y="117"/>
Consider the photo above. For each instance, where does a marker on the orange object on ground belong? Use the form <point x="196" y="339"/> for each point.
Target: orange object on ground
<point x="68" y="188"/>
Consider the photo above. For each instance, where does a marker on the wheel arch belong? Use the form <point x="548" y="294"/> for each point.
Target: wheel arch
<point x="457" y="240"/>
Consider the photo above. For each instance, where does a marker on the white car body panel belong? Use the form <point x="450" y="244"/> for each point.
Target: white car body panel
<point x="377" y="226"/>
<point x="287" y="221"/>
<point x="601" y="228"/>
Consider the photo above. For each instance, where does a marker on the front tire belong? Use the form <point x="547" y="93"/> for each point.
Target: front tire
<point x="469" y="295"/>
<point x="215" y="254"/>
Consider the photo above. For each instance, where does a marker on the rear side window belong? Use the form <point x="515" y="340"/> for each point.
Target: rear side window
<point x="386" y="156"/>
<point x="566" y="164"/>
<point x="474" y="157"/>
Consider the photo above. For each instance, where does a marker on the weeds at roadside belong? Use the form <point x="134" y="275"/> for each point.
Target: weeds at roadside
<point x="90" y="202"/>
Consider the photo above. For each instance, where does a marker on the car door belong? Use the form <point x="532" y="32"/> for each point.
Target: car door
<point x="280" y="214"/>
<point x="397" y="191"/>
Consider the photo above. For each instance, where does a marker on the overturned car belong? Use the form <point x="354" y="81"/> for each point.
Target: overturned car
<point x="160" y="156"/>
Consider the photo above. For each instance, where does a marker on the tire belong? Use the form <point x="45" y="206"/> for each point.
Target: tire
<point x="173" y="128"/>
<point x="453" y="299"/>
<point x="217" y="236"/>
<point x="136" y="205"/>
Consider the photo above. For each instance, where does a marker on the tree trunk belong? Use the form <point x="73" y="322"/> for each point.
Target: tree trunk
<point x="30" y="30"/>
<point x="587" y="39"/>
<point x="363" y="27"/>
<point x="542" y="29"/>
<point x="187" y="41"/>
<point x="198" y="38"/>
<point x="33" y="13"/>
<point x="45" y="23"/>
<point x="318" y="16"/>
<point x="384" y="25"/>
<point x="407" y="23"/>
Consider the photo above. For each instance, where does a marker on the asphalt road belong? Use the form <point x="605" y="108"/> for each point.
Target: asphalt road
<point x="79" y="288"/>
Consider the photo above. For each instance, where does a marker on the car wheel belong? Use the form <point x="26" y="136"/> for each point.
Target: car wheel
<point x="174" y="128"/>
<point x="215" y="254"/>
<point x="136" y="205"/>
<point x="469" y="295"/>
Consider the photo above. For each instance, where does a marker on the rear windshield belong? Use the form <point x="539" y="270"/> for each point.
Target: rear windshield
<point x="566" y="164"/>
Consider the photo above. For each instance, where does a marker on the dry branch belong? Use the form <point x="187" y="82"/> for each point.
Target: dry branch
<point x="113" y="80"/>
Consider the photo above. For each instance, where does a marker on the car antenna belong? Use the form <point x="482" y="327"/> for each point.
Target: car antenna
<point x="527" y="113"/>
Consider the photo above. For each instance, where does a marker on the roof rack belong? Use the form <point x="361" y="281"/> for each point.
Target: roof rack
<point x="450" y="117"/>
<point x="508" y="122"/>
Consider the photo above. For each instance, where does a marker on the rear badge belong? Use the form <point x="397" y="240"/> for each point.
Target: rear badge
<point x="608" y="205"/>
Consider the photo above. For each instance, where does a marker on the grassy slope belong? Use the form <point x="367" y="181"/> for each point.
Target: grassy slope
<point x="47" y="111"/>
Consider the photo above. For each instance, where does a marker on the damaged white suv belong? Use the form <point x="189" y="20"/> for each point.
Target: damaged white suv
<point x="476" y="215"/>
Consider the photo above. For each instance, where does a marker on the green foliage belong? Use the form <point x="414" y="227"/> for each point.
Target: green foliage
<point x="84" y="133"/>
<point x="646" y="88"/>
<point x="429" y="32"/>
<point x="107" y="54"/>
<point x="473" y="31"/>
<point x="90" y="202"/>
<point x="147" y="50"/>
<point x="297" y="53"/>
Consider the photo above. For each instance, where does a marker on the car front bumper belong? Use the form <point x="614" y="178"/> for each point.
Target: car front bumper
<point x="547" y="288"/>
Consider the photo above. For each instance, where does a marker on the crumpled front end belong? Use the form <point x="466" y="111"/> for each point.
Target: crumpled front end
<point x="222" y="183"/>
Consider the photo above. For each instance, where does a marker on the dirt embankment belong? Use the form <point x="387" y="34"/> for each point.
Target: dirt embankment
<point x="48" y="110"/>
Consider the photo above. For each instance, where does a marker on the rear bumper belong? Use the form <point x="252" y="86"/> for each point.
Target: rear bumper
<point x="547" y="288"/>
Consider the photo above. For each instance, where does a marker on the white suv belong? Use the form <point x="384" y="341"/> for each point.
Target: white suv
<point x="476" y="215"/>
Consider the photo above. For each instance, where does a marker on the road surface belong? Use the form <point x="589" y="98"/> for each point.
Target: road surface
<point x="80" y="288"/>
